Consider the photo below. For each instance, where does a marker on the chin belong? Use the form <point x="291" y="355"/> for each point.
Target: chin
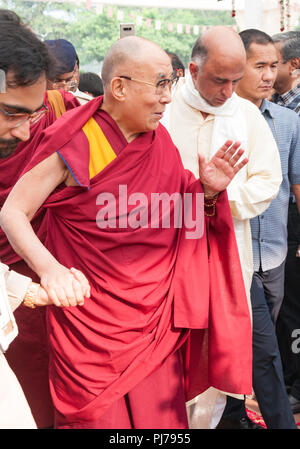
<point x="217" y="103"/>
<point x="6" y="153"/>
<point x="7" y="149"/>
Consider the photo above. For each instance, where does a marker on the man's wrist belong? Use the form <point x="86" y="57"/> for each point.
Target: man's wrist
<point x="210" y="194"/>
<point x="31" y="295"/>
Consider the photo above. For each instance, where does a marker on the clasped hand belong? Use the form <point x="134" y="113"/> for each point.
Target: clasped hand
<point x="63" y="287"/>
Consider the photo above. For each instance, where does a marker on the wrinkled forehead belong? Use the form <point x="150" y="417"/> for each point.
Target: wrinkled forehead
<point x="230" y="68"/>
<point x="157" y="67"/>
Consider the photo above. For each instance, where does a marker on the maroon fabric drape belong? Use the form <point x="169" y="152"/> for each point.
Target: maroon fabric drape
<point x="28" y="354"/>
<point x="12" y="167"/>
<point x="149" y="286"/>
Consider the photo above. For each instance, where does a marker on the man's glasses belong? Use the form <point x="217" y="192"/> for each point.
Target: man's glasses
<point x="65" y="84"/>
<point x="160" y="86"/>
<point x="18" y="119"/>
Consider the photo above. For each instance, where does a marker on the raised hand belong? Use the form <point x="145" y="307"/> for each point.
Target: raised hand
<point x="216" y="174"/>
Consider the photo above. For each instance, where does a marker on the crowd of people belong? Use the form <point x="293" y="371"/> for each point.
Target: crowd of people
<point x="149" y="237"/>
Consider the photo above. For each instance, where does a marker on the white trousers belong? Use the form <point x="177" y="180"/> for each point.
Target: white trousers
<point x="14" y="409"/>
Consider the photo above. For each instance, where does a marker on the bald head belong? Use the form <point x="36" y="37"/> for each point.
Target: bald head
<point x="134" y="74"/>
<point x="128" y="53"/>
<point x="212" y="45"/>
<point x="218" y="63"/>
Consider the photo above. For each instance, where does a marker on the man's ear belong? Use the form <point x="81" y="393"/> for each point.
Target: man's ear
<point x="194" y="69"/>
<point x="118" y="90"/>
<point x="294" y="63"/>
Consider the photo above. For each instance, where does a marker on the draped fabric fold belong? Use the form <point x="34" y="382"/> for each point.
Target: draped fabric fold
<point x="138" y="275"/>
<point x="13" y="166"/>
<point x="28" y="353"/>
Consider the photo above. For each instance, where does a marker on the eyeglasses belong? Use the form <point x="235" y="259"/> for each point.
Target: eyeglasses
<point x="160" y="86"/>
<point x="66" y="84"/>
<point x="18" y="119"/>
<point x="63" y="84"/>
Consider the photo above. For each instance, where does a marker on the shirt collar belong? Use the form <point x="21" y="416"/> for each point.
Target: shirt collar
<point x="266" y="106"/>
<point x="287" y="96"/>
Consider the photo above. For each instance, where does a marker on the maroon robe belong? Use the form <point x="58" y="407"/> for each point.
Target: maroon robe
<point x="147" y="286"/>
<point x="28" y="355"/>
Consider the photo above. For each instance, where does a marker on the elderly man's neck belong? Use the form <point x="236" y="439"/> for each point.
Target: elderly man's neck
<point x="128" y="133"/>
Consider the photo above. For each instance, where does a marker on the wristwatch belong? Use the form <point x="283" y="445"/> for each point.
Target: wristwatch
<point x="31" y="295"/>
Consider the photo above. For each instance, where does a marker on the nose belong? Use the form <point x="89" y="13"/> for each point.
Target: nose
<point x="228" y="89"/>
<point x="166" y="96"/>
<point x="21" y="132"/>
<point x="269" y="74"/>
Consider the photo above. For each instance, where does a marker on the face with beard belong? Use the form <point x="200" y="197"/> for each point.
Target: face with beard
<point x="16" y="100"/>
<point x="7" y="147"/>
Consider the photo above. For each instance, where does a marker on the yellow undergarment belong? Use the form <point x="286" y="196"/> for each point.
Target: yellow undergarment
<point x="101" y="153"/>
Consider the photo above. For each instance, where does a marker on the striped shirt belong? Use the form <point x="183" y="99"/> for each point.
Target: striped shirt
<point x="269" y="230"/>
<point x="290" y="99"/>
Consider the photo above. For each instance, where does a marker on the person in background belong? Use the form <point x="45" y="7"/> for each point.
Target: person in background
<point x="82" y="97"/>
<point x="24" y="53"/>
<point x="24" y="65"/>
<point x="65" y="55"/>
<point x="287" y="87"/>
<point x="178" y="67"/>
<point x="269" y="238"/>
<point x="206" y="111"/>
<point x="91" y="84"/>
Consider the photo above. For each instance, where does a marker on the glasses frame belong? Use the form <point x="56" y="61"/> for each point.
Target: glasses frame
<point x="66" y="83"/>
<point x="158" y="85"/>
<point x="29" y="116"/>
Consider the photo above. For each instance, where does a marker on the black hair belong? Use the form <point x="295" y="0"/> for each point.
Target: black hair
<point x="22" y="53"/>
<point x="9" y="16"/>
<point x="90" y="82"/>
<point x="253" y="36"/>
<point x="176" y="62"/>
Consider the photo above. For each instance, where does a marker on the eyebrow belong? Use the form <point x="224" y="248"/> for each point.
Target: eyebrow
<point x="64" y="79"/>
<point x="164" y="76"/>
<point x="224" y="79"/>
<point x="264" y="62"/>
<point x="21" y="108"/>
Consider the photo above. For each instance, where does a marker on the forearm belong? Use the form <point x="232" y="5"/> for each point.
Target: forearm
<point x="25" y="243"/>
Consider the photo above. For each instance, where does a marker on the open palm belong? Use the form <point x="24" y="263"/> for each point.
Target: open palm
<point x="216" y="174"/>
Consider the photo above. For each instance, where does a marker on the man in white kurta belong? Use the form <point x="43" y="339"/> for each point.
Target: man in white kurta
<point x="205" y="112"/>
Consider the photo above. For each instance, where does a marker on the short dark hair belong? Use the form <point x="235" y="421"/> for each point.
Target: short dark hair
<point x="10" y="16"/>
<point x="90" y="82"/>
<point x="290" y="45"/>
<point x="199" y="52"/>
<point x="253" y="36"/>
<point x="22" y="53"/>
<point x="176" y="62"/>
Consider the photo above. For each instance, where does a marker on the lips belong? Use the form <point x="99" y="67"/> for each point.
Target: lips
<point x="221" y="101"/>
